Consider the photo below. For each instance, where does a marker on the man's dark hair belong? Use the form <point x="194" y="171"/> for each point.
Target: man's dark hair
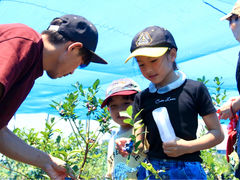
<point x="55" y="37"/>
<point x="126" y="97"/>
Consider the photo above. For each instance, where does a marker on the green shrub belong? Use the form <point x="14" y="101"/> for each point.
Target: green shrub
<point x="81" y="148"/>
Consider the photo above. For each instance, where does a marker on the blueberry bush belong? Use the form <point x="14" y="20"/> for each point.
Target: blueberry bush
<point x="82" y="150"/>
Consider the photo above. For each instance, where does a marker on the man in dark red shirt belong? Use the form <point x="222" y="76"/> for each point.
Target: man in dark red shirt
<point x="69" y="42"/>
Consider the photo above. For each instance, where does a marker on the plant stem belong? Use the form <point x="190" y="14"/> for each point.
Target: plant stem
<point x="14" y="171"/>
<point x="76" y="133"/>
<point x="84" y="160"/>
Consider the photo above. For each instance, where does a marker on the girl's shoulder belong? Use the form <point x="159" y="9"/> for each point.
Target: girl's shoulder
<point x="194" y="83"/>
<point x="195" y="87"/>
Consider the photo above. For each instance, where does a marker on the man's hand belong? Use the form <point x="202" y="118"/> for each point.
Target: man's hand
<point x="58" y="169"/>
<point x="15" y="148"/>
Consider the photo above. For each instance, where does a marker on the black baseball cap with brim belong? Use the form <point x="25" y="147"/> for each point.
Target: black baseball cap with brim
<point x="153" y="41"/>
<point x="79" y="29"/>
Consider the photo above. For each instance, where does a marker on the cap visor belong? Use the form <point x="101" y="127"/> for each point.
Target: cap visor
<point x="226" y="17"/>
<point x="97" y="59"/>
<point x="148" y="51"/>
<point x="120" y="93"/>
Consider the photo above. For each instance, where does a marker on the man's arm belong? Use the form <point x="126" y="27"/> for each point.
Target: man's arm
<point x="15" y="148"/>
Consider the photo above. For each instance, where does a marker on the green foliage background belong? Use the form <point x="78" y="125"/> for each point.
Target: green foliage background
<point x="81" y="148"/>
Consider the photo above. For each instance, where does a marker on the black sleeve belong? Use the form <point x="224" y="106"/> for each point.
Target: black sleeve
<point x="204" y="101"/>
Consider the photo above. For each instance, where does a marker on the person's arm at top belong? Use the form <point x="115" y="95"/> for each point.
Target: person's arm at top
<point x="228" y="109"/>
<point x="213" y="137"/>
<point x="15" y="148"/>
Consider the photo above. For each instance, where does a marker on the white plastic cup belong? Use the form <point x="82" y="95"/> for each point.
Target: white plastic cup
<point x="166" y="131"/>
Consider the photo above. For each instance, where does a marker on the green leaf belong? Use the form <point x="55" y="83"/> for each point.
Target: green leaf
<point x="47" y="126"/>
<point x="129" y="121"/>
<point x="53" y="106"/>
<point x="16" y="130"/>
<point x="52" y="119"/>
<point x="90" y="90"/>
<point x="138" y="124"/>
<point x="75" y="168"/>
<point x="81" y="90"/>
<point x="75" y="152"/>
<point x="135" y="117"/>
<point x="129" y="110"/>
<point x="137" y="144"/>
<point x="58" y="139"/>
<point x="96" y="83"/>
<point x="133" y="137"/>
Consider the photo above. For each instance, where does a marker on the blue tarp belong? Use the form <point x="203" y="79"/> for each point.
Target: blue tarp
<point x="206" y="46"/>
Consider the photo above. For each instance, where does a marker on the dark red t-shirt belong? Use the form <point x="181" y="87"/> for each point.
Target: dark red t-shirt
<point x="20" y="65"/>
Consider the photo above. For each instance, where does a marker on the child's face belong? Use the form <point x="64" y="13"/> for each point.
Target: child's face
<point x="158" y="70"/>
<point x="116" y="105"/>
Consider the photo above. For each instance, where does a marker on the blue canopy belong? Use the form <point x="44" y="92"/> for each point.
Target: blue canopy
<point x="206" y="46"/>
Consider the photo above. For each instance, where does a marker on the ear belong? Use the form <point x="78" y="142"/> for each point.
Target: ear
<point x="74" y="46"/>
<point x="173" y="54"/>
